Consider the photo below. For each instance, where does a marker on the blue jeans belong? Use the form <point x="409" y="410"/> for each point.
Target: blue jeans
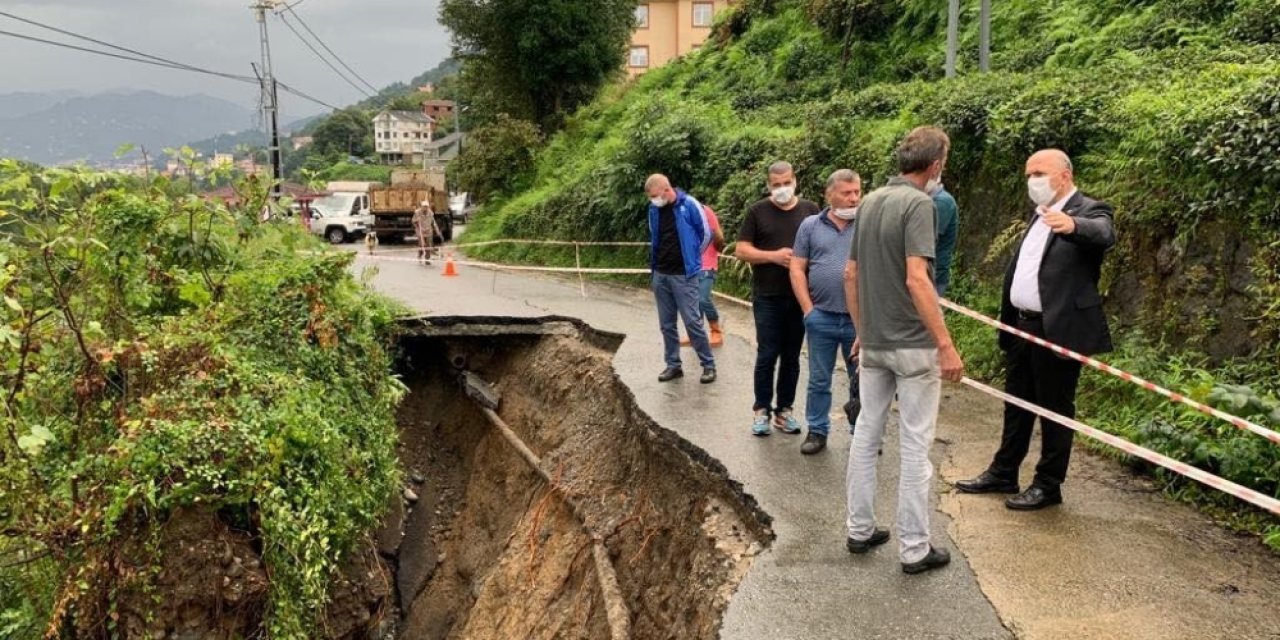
<point x="677" y="295"/>
<point x="829" y="333"/>
<point x="705" y="285"/>
<point x="941" y="288"/>
<point x="779" y="337"/>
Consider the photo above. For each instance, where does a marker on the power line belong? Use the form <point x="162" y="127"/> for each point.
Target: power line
<point x="304" y="96"/>
<point x="167" y="65"/>
<point x="346" y="66"/>
<point x="156" y="59"/>
<point x="321" y="56"/>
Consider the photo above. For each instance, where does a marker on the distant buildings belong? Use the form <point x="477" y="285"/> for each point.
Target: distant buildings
<point x="222" y="161"/>
<point x="438" y="109"/>
<point x="667" y="29"/>
<point x="401" y="137"/>
<point x="302" y="141"/>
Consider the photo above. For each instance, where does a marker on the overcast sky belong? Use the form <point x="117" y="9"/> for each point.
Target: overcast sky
<point x="383" y="40"/>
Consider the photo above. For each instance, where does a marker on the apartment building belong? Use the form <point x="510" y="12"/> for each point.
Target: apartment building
<point x="401" y="137"/>
<point x="667" y="29"/>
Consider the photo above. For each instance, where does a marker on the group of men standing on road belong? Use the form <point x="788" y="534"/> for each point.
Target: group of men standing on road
<point x="862" y="278"/>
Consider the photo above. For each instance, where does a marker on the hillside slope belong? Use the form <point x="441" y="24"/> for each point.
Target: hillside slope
<point x="93" y="127"/>
<point x="1168" y="106"/>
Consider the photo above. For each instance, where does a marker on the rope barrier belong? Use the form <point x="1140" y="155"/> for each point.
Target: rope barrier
<point x="1238" y="422"/>
<point x="511" y="267"/>
<point x="1204" y="477"/>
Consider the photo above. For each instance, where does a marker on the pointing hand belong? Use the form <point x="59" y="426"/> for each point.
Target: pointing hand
<point x="1059" y="222"/>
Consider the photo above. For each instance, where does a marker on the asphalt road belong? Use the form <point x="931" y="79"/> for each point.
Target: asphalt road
<point x="1118" y="560"/>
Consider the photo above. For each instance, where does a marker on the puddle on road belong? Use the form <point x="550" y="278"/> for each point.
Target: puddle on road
<point x="490" y="549"/>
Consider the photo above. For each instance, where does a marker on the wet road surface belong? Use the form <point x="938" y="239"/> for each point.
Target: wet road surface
<point x="1118" y="560"/>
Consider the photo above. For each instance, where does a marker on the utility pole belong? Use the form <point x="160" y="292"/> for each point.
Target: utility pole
<point x="984" y="36"/>
<point x="270" y="105"/>
<point x="953" y="35"/>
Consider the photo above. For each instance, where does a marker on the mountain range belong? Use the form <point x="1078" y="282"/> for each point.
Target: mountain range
<point x="63" y="127"/>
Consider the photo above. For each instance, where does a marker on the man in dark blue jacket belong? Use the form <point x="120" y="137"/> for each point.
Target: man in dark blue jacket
<point x="678" y="234"/>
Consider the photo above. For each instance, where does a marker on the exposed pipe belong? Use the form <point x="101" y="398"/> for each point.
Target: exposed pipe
<point x="616" y="610"/>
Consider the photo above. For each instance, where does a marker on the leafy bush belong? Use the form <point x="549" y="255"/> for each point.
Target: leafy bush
<point x="163" y="351"/>
<point x="496" y="157"/>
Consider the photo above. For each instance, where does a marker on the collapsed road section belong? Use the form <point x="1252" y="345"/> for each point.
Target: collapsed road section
<point x="541" y="502"/>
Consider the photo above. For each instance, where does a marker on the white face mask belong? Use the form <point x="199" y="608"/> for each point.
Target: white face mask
<point x="934" y="186"/>
<point x="784" y="195"/>
<point x="1039" y="190"/>
<point x="846" y="214"/>
<point x="658" y="202"/>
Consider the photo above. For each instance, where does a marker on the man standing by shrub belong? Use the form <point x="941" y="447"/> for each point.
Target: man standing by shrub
<point x="1050" y="291"/>
<point x="904" y="348"/>
<point x="817" y="277"/>
<point x="948" y="229"/>
<point x="678" y="234"/>
<point x="707" y="281"/>
<point x="764" y="241"/>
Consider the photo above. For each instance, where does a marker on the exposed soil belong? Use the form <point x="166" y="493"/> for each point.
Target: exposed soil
<point x="491" y="550"/>
<point x="479" y="544"/>
<point x="211" y="585"/>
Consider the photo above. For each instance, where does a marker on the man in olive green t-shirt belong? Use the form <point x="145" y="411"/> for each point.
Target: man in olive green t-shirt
<point x="903" y="347"/>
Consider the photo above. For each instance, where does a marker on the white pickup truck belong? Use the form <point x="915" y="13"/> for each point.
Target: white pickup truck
<point x="341" y="217"/>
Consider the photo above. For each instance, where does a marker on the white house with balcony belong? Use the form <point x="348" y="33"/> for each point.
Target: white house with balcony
<point x="401" y="137"/>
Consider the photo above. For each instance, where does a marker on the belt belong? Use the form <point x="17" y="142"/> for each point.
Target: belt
<point x="1029" y="315"/>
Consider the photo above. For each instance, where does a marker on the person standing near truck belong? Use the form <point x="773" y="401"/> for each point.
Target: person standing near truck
<point x="424" y="225"/>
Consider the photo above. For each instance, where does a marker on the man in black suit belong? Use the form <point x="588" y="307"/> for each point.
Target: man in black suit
<point x="1050" y="291"/>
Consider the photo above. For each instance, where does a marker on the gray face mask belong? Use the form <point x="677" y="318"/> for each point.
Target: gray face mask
<point x="848" y="213"/>
<point x="784" y="195"/>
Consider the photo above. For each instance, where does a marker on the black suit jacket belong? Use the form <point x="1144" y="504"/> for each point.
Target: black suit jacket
<point x="1069" y="274"/>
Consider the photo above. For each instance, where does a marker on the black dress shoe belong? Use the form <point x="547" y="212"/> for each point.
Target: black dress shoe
<point x="878" y="537"/>
<point x="708" y="375"/>
<point x="987" y="483"/>
<point x="813" y="443"/>
<point x="1034" y="498"/>
<point x="670" y="373"/>
<point x="935" y="558"/>
<point x="851" y="410"/>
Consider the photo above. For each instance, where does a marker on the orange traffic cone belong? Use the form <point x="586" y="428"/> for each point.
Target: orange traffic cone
<point x="449" y="269"/>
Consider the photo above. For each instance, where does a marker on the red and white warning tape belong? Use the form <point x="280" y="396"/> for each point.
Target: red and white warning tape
<point x="489" y="243"/>
<point x="505" y="267"/>
<point x="1183" y="469"/>
<point x="563" y="243"/>
<point x="1123" y="375"/>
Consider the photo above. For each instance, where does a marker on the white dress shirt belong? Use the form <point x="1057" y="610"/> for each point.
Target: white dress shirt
<point x="1025" y="292"/>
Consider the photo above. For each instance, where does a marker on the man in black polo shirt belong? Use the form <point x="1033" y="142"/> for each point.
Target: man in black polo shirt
<point x="764" y="241"/>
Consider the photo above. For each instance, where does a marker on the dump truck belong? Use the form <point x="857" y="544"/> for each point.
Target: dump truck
<point x="393" y="205"/>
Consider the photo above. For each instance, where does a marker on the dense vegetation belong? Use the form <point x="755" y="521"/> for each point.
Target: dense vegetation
<point x="524" y="59"/>
<point x="1169" y="108"/>
<point x="163" y="351"/>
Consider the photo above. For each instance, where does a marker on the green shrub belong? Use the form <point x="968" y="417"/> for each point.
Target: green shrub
<point x="163" y="351"/>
